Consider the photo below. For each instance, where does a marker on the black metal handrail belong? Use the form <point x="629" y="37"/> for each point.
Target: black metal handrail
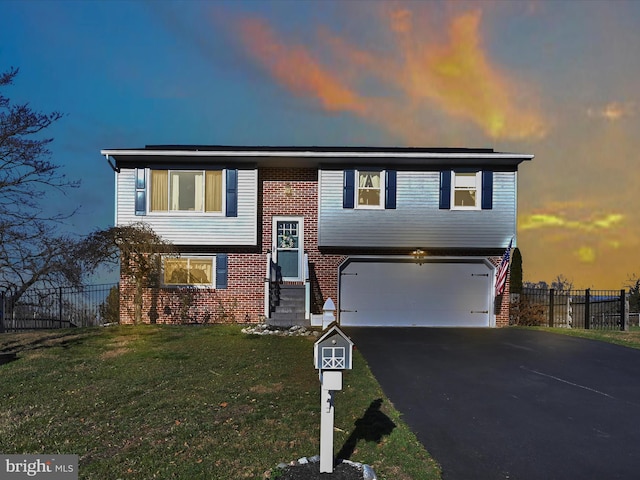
<point x="274" y="280"/>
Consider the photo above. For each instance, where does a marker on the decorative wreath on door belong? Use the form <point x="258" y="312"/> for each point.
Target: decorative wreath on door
<point x="287" y="241"/>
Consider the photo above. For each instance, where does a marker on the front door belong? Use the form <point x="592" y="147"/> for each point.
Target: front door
<point x="288" y="246"/>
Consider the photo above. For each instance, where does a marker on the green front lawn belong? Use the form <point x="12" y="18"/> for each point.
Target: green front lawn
<point x="186" y="403"/>
<point x="628" y="339"/>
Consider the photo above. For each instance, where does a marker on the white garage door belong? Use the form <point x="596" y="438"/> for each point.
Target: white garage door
<point x="434" y="294"/>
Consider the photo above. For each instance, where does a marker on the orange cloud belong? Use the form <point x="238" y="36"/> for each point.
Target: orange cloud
<point x="459" y="78"/>
<point x="422" y="80"/>
<point x="295" y="68"/>
<point x="613" y="111"/>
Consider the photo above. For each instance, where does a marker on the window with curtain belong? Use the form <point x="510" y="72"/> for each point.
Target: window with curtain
<point x="189" y="271"/>
<point x="370" y="188"/>
<point x="186" y="191"/>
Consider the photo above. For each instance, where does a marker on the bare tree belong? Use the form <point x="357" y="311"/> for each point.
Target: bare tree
<point x="41" y="259"/>
<point x="541" y="285"/>
<point x="136" y="248"/>
<point x="562" y="284"/>
<point x="31" y="250"/>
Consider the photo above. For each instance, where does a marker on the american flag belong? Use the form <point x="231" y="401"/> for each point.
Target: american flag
<point x="503" y="269"/>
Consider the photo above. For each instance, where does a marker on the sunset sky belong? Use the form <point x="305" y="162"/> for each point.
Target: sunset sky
<point x="557" y="79"/>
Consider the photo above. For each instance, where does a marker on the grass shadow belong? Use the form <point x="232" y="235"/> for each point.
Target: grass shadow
<point x="371" y="427"/>
<point x="7" y="357"/>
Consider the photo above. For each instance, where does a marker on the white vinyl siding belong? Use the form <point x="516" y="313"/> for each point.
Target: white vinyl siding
<point x="417" y="221"/>
<point x="195" y="228"/>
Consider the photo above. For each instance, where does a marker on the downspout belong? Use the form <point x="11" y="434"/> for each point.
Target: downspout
<point x="116" y="171"/>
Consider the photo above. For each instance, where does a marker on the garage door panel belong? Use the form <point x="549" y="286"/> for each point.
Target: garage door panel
<point x="408" y="294"/>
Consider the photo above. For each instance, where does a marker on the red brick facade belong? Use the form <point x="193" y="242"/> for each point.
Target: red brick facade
<point x="294" y="192"/>
<point x="502" y="302"/>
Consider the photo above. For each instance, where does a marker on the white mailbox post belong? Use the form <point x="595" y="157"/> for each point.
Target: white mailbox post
<point x="332" y="354"/>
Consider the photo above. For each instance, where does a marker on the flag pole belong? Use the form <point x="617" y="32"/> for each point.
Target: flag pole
<point x="503" y="270"/>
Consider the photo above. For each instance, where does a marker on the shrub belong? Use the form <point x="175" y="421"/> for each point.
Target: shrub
<point x="527" y="313"/>
<point x="110" y="308"/>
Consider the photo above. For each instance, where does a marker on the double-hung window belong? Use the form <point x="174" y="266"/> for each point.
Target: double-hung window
<point x="187" y="191"/>
<point x="465" y="194"/>
<point x="466" y="190"/>
<point x="370" y="189"/>
<point x="189" y="271"/>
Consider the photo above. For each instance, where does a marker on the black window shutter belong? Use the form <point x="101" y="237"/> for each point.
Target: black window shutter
<point x="232" y="193"/>
<point x="348" y="191"/>
<point x="390" y="189"/>
<point x="140" y="178"/>
<point x="221" y="270"/>
<point x="141" y="202"/>
<point x="445" y="189"/>
<point x="141" y="192"/>
<point x="487" y="190"/>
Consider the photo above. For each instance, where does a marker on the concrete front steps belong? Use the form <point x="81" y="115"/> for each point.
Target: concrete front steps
<point x="290" y="309"/>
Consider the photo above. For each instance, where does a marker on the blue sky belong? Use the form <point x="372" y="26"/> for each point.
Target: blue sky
<point x="557" y="79"/>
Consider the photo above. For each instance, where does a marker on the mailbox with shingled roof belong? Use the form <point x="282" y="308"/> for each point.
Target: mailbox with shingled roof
<point x="333" y="350"/>
<point x="331" y="355"/>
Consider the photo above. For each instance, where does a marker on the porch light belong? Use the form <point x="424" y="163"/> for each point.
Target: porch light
<point x="287" y="189"/>
<point x="419" y="255"/>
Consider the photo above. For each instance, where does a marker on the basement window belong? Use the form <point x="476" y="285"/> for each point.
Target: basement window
<point x="189" y="271"/>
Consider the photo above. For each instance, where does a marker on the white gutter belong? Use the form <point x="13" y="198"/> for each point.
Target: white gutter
<point x="311" y="154"/>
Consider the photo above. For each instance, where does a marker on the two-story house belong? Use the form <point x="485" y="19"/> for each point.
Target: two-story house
<point x="394" y="236"/>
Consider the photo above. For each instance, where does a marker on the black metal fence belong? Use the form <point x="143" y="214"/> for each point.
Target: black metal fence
<point x="587" y="309"/>
<point x="61" y="307"/>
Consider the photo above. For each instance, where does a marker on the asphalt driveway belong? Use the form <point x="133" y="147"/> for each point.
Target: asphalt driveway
<point x="511" y="403"/>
